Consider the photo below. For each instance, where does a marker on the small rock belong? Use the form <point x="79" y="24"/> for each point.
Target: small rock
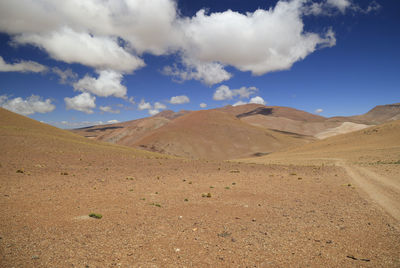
<point x="177" y="249"/>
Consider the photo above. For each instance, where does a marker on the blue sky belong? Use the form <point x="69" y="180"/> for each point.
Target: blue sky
<point x="89" y="62"/>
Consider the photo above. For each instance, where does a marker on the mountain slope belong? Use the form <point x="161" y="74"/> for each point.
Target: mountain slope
<point x="377" y="143"/>
<point x="22" y="137"/>
<point x="215" y="134"/>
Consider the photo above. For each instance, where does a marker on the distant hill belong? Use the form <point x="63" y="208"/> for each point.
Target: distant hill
<point x="233" y="131"/>
<point x="376" y="143"/>
<point x="22" y="137"/>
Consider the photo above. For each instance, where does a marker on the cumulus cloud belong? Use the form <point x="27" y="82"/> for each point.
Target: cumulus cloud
<point x="143" y="105"/>
<point x="318" y="111"/>
<point x="257" y="100"/>
<point x="108" y="109"/>
<point x="159" y="106"/>
<point x="21" y="66"/>
<point x="66" y="76"/>
<point x="114" y="121"/>
<point x="107" y="84"/>
<point x="208" y="73"/>
<point x="114" y="35"/>
<point x="152" y="109"/>
<point x="260" y="42"/>
<point x="179" y="100"/>
<point x="239" y="103"/>
<point x="203" y="105"/>
<point x="99" y="52"/>
<point x="30" y="105"/>
<point x="223" y="92"/>
<point x="83" y="102"/>
<point x="131" y="100"/>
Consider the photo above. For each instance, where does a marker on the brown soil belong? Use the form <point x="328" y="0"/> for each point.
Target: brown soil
<point x="257" y="215"/>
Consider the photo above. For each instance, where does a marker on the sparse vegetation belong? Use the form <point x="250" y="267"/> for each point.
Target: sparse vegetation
<point x="155" y="204"/>
<point x="208" y="195"/>
<point x="227" y="188"/>
<point x="20" y="170"/>
<point x="95" y="215"/>
<point x="64" y="173"/>
<point x="186" y="200"/>
<point x="235" y="171"/>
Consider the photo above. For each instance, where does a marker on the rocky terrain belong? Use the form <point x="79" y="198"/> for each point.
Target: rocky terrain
<point x="156" y="210"/>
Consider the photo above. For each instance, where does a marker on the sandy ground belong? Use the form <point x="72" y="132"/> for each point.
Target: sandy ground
<point x="257" y="216"/>
<point x="156" y="213"/>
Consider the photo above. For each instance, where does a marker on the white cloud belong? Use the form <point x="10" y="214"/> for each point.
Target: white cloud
<point x="131" y="100"/>
<point x="99" y="52"/>
<point x="30" y="105"/>
<point x="208" y="73"/>
<point x="239" y="103"/>
<point x="159" y="106"/>
<point x="260" y="42"/>
<point x="114" y="35"/>
<point x="223" y="92"/>
<point x="318" y="111"/>
<point x="153" y="111"/>
<point x="107" y="84"/>
<point x="67" y="76"/>
<point x="330" y="7"/>
<point x="114" y="121"/>
<point x="21" y="66"/>
<point x="108" y="109"/>
<point x="257" y="100"/>
<point x="342" y="5"/>
<point x="143" y="105"/>
<point x="83" y="102"/>
<point x="203" y="105"/>
<point x="179" y="100"/>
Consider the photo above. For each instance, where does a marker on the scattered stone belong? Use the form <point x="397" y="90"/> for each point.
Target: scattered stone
<point x="224" y="234"/>
<point x="64" y="173"/>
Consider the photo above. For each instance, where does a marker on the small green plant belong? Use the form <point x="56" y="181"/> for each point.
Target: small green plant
<point x="227" y="188"/>
<point x="143" y="199"/>
<point x="156" y="204"/>
<point x="190" y="182"/>
<point x="186" y="200"/>
<point x="208" y="195"/>
<point x="64" y="173"/>
<point x="235" y="171"/>
<point x="292" y="174"/>
<point x="211" y="187"/>
<point x="20" y="170"/>
<point x="233" y="183"/>
<point x="95" y="215"/>
<point x="156" y="193"/>
<point x="130" y="190"/>
<point x="130" y="178"/>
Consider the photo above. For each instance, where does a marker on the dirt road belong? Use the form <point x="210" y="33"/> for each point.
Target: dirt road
<point x="383" y="190"/>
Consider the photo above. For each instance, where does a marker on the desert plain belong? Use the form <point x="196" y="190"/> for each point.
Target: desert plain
<point x="332" y="202"/>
